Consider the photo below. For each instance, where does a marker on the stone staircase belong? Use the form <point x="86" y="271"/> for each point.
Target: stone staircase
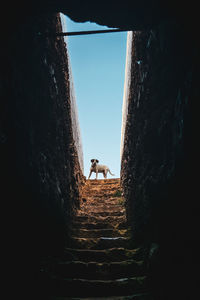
<point x="100" y="261"/>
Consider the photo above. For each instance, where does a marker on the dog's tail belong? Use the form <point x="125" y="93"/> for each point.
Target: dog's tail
<point x="110" y="172"/>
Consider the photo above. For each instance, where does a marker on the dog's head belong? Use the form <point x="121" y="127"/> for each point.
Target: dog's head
<point x="94" y="162"/>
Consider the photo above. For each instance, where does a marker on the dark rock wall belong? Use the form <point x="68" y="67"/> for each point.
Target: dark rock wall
<point x="40" y="171"/>
<point x="158" y="156"/>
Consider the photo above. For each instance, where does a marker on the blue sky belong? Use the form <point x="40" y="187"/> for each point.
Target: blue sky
<point x="98" y="68"/>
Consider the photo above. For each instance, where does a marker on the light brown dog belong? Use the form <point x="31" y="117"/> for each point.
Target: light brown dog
<point x="96" y="168"/>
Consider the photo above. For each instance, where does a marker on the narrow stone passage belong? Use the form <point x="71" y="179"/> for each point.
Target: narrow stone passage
<point x="100" y="260"/>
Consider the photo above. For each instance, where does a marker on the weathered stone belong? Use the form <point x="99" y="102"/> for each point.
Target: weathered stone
<point x="41" y="174"/>
<point x="99" y="261"/>
<point x="157" y="153"/>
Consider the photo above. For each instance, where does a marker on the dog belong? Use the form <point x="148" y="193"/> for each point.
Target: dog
<point x="99" y="169"/>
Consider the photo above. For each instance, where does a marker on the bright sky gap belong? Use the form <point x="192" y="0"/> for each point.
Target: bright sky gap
<point x="98" y="68"/>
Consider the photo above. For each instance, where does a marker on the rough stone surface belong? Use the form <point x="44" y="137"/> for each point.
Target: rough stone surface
<point x="98" y="262"/>
<point x="158" y="149"/>
<point x="40" y="171"/>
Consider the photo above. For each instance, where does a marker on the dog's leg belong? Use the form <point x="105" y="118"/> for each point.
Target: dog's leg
<point x="96" y="174"/>
<point x="104" y="174"/>
<point x="89" y="174"/>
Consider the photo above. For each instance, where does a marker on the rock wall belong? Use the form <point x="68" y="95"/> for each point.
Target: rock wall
<point x="127" y="83"/>
<point x="74" y="109"/>
<point x="158" y="152"/>
<point x="41" y="174"/>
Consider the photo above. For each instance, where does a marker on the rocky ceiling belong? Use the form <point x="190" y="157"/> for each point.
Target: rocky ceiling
<point x="126" y="14"/>
<point x="135" y="14"/>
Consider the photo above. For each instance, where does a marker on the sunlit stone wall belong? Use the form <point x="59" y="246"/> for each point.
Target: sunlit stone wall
<point x="74" y="111"/>
<point x="126" y="88"/>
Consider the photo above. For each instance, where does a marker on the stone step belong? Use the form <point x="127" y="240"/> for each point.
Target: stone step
<point x="99" y="271"/>
<point x="103" y="201"/>
<point x="111" y="192"/>
<point x="97" y="184"/>
<point x="102" y="204"/>
<point x="95" y="233"/>
<point x="95" y="288"/>
<point x="99" y="225"/>
<point x="100" y="193"/>
<point x="100" y="197"/>
<point x="100" y="243"/>
<point x="99" y="261"/>
<point x="98" y="219"/>
<point x="103" y="181"/>
<point x="100" y="188"/>
<point x="93" y="186"/>
<point x="104" y="208"/>
<point x="105" y="255"/>
<point x="101" y="213"/>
